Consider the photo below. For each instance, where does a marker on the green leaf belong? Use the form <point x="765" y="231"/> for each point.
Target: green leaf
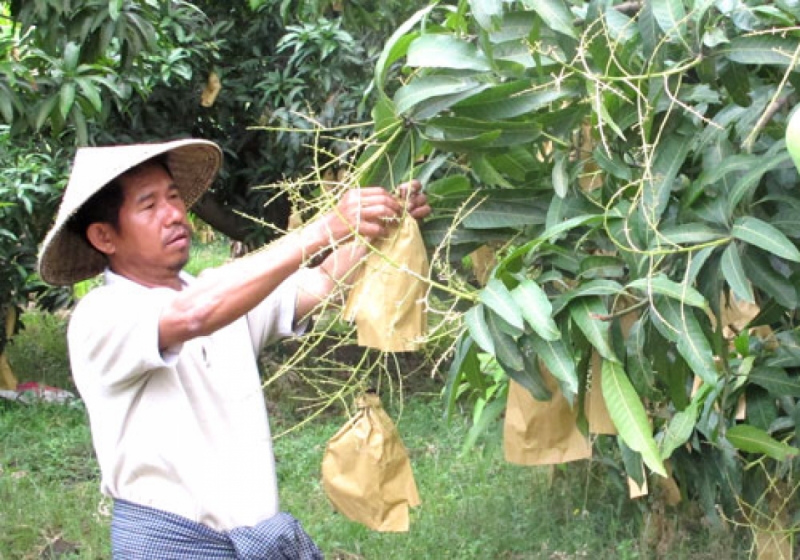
<point x="81" y="130"/>
<point x="397" y="46"/>
<point x="465" y="364"/>
<point x="449" y="131"/>
<point x="629" y="416"/>
<point x="6" y="106"/>
<point x="661" y="285"/>
<point x="559" y="361"/>
<point x="679" y="324"/>
<point x="639" y="360"/>
<point x="45" y="109"/>
<point x="597" y="287"/>
<point x="488" y="13"/>
<point x="761" y="409"/>
<point x="603" y="116"/>
<point x="475" y="320"/>
<point x="480" y="141"/>
<point x="389" y="163"/>
<point x="770" y="49"/>
<point x="620" y="27"/>
<point x="667" y="162"/>
<point x="750" y="180"/>
<point x="512" y="99"/>
<point x="530" y="376"/>
<point x="775" y="381"/>
<point x="536" y="309"/>
<point x="555" y="14"/>
<point x="114" y="8"/>
<point x="488" y="416"/>
<point x="90" y="92"/>
<point x="498" y="298"/>
<point x="765" y="278"/>
<point x="506" y="350"/>
<point x="734" y="274"/>
<point x="648" y="29"/>
<point x="678" y="431"/>
<point x="72" y="52"/>
<point x="495" y="213"/>
<point x="670" y="16"/>
<point x="435" y="50"/>
<point x="587" y="313"/>
<point x="612" y="164"/>
<point x="430" y="88"/>
<point x="694" y="233"/>
<point x="560" y="175"/>
<point x="681" y="425"/>
<point x="753" y="440"/>
<point x="515" y="163"/>
<point x="66" y="98"/>
<point x="761" y="234"/>
<point x="737" y="81"/>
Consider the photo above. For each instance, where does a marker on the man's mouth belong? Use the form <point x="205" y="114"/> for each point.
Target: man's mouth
<point x="180" y="237"/>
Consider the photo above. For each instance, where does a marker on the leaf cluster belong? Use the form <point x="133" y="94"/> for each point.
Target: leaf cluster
<point x="628" y="161"/>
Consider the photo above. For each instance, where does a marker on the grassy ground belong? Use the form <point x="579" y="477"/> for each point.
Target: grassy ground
<point x="475" y="506"/>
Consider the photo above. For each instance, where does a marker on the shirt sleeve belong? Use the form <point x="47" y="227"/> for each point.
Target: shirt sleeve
<point x="274" y="317"/>
<point x="113" y="335"/>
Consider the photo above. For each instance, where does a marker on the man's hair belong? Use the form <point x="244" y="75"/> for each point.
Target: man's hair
<point x="104" y="205"/>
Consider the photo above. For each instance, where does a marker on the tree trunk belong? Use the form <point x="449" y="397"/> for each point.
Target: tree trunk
<point x="222" y="218"/>
<point x="236" y="227"/>
<point x="7" y="378"/>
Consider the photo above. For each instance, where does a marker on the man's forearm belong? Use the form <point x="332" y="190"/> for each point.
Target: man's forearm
<point x="333" y="276"/>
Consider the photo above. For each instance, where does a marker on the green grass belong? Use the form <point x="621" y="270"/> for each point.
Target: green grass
<point x="38" y="352"/>
<point x="49" y="491"/>
<point x="477" y="506"/>
<point x="474" y="506"/>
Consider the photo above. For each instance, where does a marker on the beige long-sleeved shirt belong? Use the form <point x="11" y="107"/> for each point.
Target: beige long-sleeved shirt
<point x="186" y="430"/>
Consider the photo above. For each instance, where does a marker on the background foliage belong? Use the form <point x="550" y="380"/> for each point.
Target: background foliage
<point x="94" y="72"/>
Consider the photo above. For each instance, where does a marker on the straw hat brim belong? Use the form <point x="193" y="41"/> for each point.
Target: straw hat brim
<point x="65" y="257"/>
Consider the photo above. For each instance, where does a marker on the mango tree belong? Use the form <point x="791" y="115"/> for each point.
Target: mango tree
<point x="627" y="161"/>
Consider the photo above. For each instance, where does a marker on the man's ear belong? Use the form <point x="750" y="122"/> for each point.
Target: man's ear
<point x="99" y="235"/>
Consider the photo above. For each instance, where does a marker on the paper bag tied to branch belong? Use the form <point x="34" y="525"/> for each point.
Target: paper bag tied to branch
<point x="542" y="432"/>
<point x="366" y="472"/>
<point x="387" y="302"/>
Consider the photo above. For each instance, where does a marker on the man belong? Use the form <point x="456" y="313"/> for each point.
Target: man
<point x="166" y="363"/>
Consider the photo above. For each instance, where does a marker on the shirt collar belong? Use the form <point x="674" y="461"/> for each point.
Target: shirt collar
<point x="111" y="278"/>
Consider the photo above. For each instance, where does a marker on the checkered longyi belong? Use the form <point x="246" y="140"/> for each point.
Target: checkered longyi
<point x="143" y="533"/>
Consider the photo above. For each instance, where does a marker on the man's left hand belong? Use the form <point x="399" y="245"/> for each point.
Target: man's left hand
<point x="416" y="201"/>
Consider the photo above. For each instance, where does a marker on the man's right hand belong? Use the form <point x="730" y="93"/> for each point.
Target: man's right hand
<point x="364" y="212"/>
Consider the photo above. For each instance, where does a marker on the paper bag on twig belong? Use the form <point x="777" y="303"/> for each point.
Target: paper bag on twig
<point x="387" y="301"/>
<point x="542" y="432"/>
<point x="366" y="472"/>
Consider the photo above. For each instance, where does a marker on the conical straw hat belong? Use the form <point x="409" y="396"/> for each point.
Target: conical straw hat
<point x="65" y="257"/>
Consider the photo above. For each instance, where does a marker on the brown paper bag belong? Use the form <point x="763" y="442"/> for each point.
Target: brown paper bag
<point x="542" y="432"/>
<point x="366" y="472"/>
<point x="387" y="301"/>
<point x="212" y="89"/>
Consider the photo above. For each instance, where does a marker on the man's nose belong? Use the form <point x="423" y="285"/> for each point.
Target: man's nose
<point x="175" y="211"/>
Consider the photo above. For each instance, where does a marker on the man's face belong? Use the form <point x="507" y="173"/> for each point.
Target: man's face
<point x="153" y="241"/>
